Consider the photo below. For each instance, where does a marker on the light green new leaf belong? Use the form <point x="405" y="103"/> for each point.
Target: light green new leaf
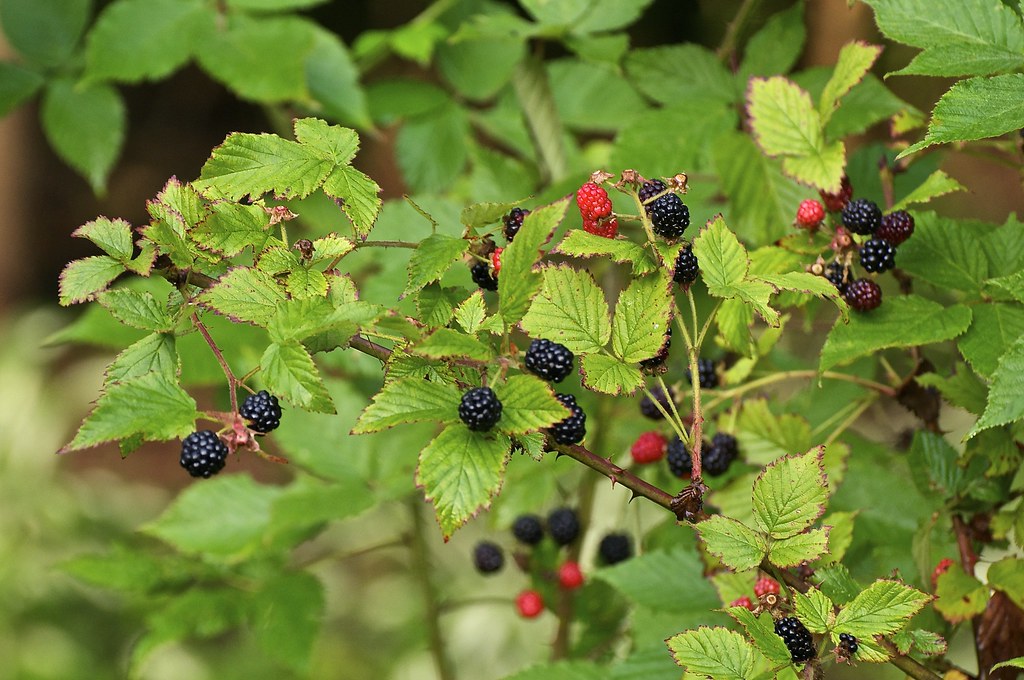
<point x="579" y="243"/>
<point x="814" y="610"/>
<point x="977" y="108"/>
<point x="1010" y="663"/>
<point x="570" y="310"/>
<point x="447" y="343"/>
<point x="854" y="61"/>
<point x="959" y="596"/>
<point x="905" y="321"/>
<point x="304" y="284"/>
<point x="1006" y="395"/>
<point x="460" y="472"/>
<point x="528" y="404"/>
<point x="82" y="279"/>
<point x="358" y="194"/>
<point x="518" y="282"/>
<point x="133" y="40"/>
<point x="256" y="164"/>
<point x="822" y="169"/>
<point x="85" y="125"/>
<point x="231" y="227"/>
<point x="432" y="258"/>
<point x="153" y="353"/>
<point x="884" y="607"/>
<point x="739" y="547"/>
<point x="138" y="309"/>
<point x="151" y="405"/>
<point x="288" y="617"/>
<point x="790" y="494"/>
<point x="1007" y="576"/>
<point x="244" y="294"/>
<point x="714" y="652"/>
<point x="608" y="375"/>
<point x="937" y="184"/>
<point x="409" y="400"/>
<point x="472" y="312"/>
<point x="785" y="121"/>
<point x="17" y="84"/>
<point x="289" y="371"/>
<point x="114" y="237"/>
<point x="196" y="523"/>
<point x="337" y="144"/>
<point x="642" y="318"/>
<point x="795" y="550"/>
<point x="723" y="259"/>
<point x="436" y="305"/>
<point x="761" y="630"/>
<point x="331" y="247"/>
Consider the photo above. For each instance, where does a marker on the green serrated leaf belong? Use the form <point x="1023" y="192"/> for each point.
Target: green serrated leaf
<point x="790" y="494"/>
<point x="409" y="400"/>
<point x="1010" y="663"/>
<point x="114" y="237"/>
<point x="334" y="142"/>
<point x="761" y="630"/>
<point x="436" y="305"/>
<point x="923" y="641"/>
<point x="154" y="353"/>
<point x="814" y="609"/>
<point x="251" y="164"/>
<point x="723" y="260"/>
<point x="775" y="48"/>
<point x="85" y="125"/>
<point x="804" y="282"/>
<point x="432" y="258"/>
<point x="901" y="322"/>
<point x="714" y="652"/>
<point x="738" y="546"/>
<point x="330" y="248"/>
<point x="882" y="608"/>
<point x="854" y="61"/>
<point x="460" y="472"/>
<point x="946" y="253"/>
<point x="664" y="580"/>
<point x="289" y="371"/>
<point x="244" y="294"/>
<point x="472" y="312"/>
<point x="642" y="317"/>
<point x="1005" y="398"/>
<point x="446" y="343"/>
<point x="795" y="550"/>
<point x="138" y="309"/>
<point x="680" y="73"/>
<point x="518" y="282"/>
<point x="152" y="405"/>
<point x="937" y="184"/>
<point x="528" y="404"/>
<point x="579" y="243"/>
<point x="359" y="197"/>
<point x="303" y="283"/>
<point x="570" y="310"/>
<point x="959" y="596"/>
<point x="231" y="227"/>
<point x="606" y="374"/>
<point x="994" y="329"/>
<point x="1007" y="576"/>
<point x="82" y="279"/>
<point x="821" y="169"/>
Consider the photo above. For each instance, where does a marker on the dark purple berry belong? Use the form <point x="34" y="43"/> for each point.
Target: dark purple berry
<point x="877" y="255"/>
<point x="573" y="429"/>
<point x="549" y="360"/>
<point x="615" y="548"/>
<point x="896" y="227"/>
<point x="488" y="557"/>
<point x="563" y="525"/>
<point x="649" y="409"/>
<point x="480" y="409"/>
<point x="513" y="222"/>
<point x="686" y="269"/>
<point x="678" y="458"/>
<point x="839" y="275"/>
<point x="863" y="295"/>
<point x="717" y="457"/>
<point x="862" y="216"/>
<point x="482" y="276"/>
<point x="528" y="529"/>
<point x="847" y="644"/>
<point x="706" y="374"/>
<point x="203" y="454"/>
<point x="661" y="357"/>
<point x="797" y="638"/>
<point x="262" y="410"/>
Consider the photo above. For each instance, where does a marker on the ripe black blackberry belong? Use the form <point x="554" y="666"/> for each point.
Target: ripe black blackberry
<point x="661" y="357"/>
<point x="839" y="275"/>
<point x="573" y="429"/>
<point x="687" y="268"/>
<point x="862" y="216"/>
<point x="877" y="255"/>
<point x="549" y="360"/>
<point x="896" y="227"/>
<point x="719" y="456"/>
<point x="706" y="374"/>
<point x="480" y="408"/>
<point x="863" y="295"/>
<point x="488" y="557"/>
<point x="649" y="409"/>
<point x="615" y="548"/>
<point x="203" y="454"/>
<point x="262" y="410"/>
<point x="669" y="216"/>
<point x="528" y="529"/>
<point x="649" y="189"/>
<point x="563" y="525"/>
<point x="797" y="638"/>
<point x="482" y="276"/>
<point x="513" y="222"/>
<point x="678" y="458"/>
<point x="847" y="644"/>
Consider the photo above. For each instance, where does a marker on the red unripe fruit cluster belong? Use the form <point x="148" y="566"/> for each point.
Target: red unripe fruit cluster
<point x="648" y="448"/>
<point x="570" y="576"/>
<point x="766" y="585"/>
<point x="530" y="604"/>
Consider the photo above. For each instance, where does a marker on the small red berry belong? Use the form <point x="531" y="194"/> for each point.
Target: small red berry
<point x="570" y="576"/>
<point x="742" y="602"/>
<point x="837" y="201"/>
<point x="648" y="448"/>
<point x="766" y="585"/>
<point x="530" y="604"/>
<point x="941" y="568"/>
<point x="607" y="228"/>
<point x="593" y="202"/>
<point x="810" y="214"/>
<point x="496" y="260"/>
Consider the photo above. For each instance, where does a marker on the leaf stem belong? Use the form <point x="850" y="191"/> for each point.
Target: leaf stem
<point x="387" y="244"/>
<point x="732" y="31"/>
<point x="533" y="91"/>
<point x="421" y="569"/>
<point x="725" y="395"/>
<point x="232" y="380"/>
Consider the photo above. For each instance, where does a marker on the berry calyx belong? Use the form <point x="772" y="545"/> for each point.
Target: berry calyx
<point x="608" y="227"/>
<point x="563" y="525"/>
<point x="513" y="222"/>
<point x="488" y="557"/>
<point x="593" y="202"/>
<point x="648" y="407"/>
<point x="569" y="575"/>
<point x="496" y="261"/>
<point x="262" y="410"/>
<point x="877" y="255"/>
<point x="573" y="429"/>
<point x="686" y="269"/>
<point x="706" y="374"/>
<point x="839" y="275"/>
<point x="530" y="604"/>
<point x="203" y="454"/>
<point x="896" y="227"/>
<point x="669" y="215"/>
<point x="847" y="644"/>
<point x="862" y="216"/>
<point x="719" y="456"/>
<point x="480" y="409"/>
<point x="648" y="448"/>
<point x="797" y="639"/>
<point x="615" y="548"/>
<point x="528" y="529"/>
<point x="743" y="601"/>
<point x="549" y="360"/>
<point x="810" y="214"/>
<point x="678" y="458"/>
<point x="941" y="568"/>
<point x="482" y="276"/>
<point x="837" y="201"/>
<point x="863" y="295"/>
<point x="766" y="585"/>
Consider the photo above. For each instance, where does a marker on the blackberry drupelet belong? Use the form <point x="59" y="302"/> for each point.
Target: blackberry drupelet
<point x="848" y="644"/>
<point x="203" y="454"/>
<point x="839" y="275"/>
<point x="488" y="557"/>
<point x="797" y="638"/>
<point x="482" y="277"/>
<point x="687" y="268"/>
<point x="648" y="407"/>
<point x="480" y="408"/>
<point x="877" y="255"/>
<point x="706" y="374"/>
<point x="669" y="216"/>
<point x="615" y="548"/>
<point x="513" y="222"/>
<point x="651" y="188"/>
<point x="262" y="410"/>
<point x="678" y="458"/>
<point x="862" y="216"/>
<point x="563" y="525"/>
<point x="549" y="360"/>
<point x="528" y="529"/>
<point x="896" y="227"/>
<point x="863" y="295"/>
<point x="573" y="429"/>
<point x="719" y="456"/>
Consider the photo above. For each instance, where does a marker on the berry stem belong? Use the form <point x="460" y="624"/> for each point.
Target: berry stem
<point x="725" y="395"/>
<point x="732" y="32"/>
<point x="431" y="599"/>
<point x="232" y="380"/>
<point x="387" y="244"/>
<point x="618" y="475"/>
<point x="851" y="419"/>
<point x="645" y="221"/>
<point x="676" y="423"/>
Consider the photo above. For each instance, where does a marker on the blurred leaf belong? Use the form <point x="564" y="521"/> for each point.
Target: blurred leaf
<point x="1007" y="575"/>
<point x="479" y="68"/>
<point x="994" y="328"/>
<point x="333" y="81"/>
<point x="392" y="100"/>
<point x="559" y="670"/>
<point x="432" y="149"/>
<point x="668" y="581"/>
<point x="273" y="5"/>
<point x="945" y="253"/>
<point x="933" y="459"/>
<point x="963" y="388"/>
<point x="1006" y="395"/>
<point x="775" y="48"/>
<point x="679" y="73"/>
<point x="45" y="32"/>
<point x="592" y="96"/>
<point x="288" y="612"/>
<point x="17" y="84"/>
<point x="654" y="140"/>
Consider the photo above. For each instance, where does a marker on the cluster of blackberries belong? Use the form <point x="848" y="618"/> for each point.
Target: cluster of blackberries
<point x="707" y="377"/>
<point x="203" y="453"/>
<point x="669" y="215"/>
<point x="797" y="638"/>
<point x="549" y="360"/>
<point x="563" y="525"/>
<point x="847" y="645"/>
<point x="716" y="457"/>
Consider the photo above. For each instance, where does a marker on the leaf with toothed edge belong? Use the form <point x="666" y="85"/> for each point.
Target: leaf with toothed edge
<point x="409" y="400"/>
<point x="113" y="237"/>
<point x="853" y="63"/>
<point x="738" y="546"/>
<point x="571" y="310"/>
<point x="244" y="294"/>
<point x="519" y="282"/>
<point x="790" y="494"/>
<point x="288" y="370"/>
<point x="358" y="196"/>
<point x="460" y="472"/>
<point x="795" y="550"/>
<point x="642" y="315"/>
<point x="814" y="610"/>
<point x="528" y="404"/>
<point x="579" y="243"/>
<point x="715" y="652"/>
<point x="608" y="375"/>
<point x="882" y="608"/>
<point x="82" y="279"/>
<point x="762" y="632"/>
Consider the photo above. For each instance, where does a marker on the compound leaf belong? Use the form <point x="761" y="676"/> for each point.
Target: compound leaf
<point x="570" y="309"/>
<point x="790" y="494"/>
<point x="884" y="607"/>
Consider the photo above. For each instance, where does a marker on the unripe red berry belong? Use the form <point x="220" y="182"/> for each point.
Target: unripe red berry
<point x="941" y="568"/>
<point x="607" y="227"/>
<point x="742" y="602"/>
<point x="570" y="576"/>
<point x="766" y="585"/>
<point x="648" y="448"/>
<point x="593" y="202"/>
<point x="496" y="260"/>
<point x="530" y="604"/>
<point x="810" y="214"/>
